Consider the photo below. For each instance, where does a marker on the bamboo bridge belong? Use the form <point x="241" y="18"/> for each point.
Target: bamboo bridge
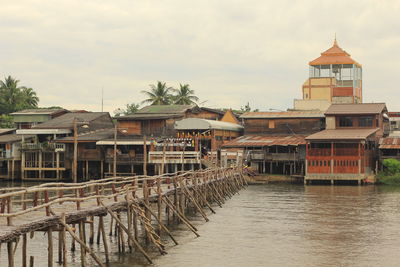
<point x="140" y="208"/>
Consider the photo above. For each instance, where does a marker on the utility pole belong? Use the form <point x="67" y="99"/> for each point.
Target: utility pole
<point x="75" y="162"/>
<point x="115" y="152"/>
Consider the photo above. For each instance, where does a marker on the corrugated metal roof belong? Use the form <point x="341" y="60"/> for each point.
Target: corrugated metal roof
<point x="283" y="114"/>
<point x="156" y="116"/>
<point x="6" y="130"/>
<point x="165" y="109"/>
<point x="342" y="134"/>
<point x="66" y="120"/>
<point x="364" y="108"/>
<point x="40" y="111"/>
<point x="90" y="136"/>
<point x="266" y="140"/>
<point x="389" y="143"/>
<point x="203" y="124"/>
<point x="11" y="138"/>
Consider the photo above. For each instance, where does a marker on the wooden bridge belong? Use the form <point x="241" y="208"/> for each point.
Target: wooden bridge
<point x="148" y="203"/>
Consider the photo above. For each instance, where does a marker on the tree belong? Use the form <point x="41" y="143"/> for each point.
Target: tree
<point x="129" y="109"/>
<point x="158" y="95"/>
<point x="184" y="95"/>
<point x="6" y="121"/>
<point x="14" y="98"/>
<point x="30" y="98"/>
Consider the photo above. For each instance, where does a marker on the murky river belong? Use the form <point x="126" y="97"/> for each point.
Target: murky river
<point x="284" y="225"/>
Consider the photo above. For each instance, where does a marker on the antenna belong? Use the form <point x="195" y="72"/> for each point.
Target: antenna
<point x="102" y="99"/>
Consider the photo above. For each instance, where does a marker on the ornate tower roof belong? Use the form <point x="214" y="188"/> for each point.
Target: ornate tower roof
<point x="334" y="55"/>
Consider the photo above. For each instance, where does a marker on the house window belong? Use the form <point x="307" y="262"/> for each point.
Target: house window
<point x="365" y="122"/>
<point x="345" y="122"/>
<point x="90" y="146"/>
<point x="271" y="124"/>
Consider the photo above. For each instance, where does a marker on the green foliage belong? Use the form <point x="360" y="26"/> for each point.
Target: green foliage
<point x="389" y="179"/>
<point x="184" y="95"/>
<point x="14" y="98"/>
<point x="6" y="121"/>
<point x="129" y="109"/>
<point x="392" y="166"/>
<point x="391" y="173"/>
<point x="159" y="94"/>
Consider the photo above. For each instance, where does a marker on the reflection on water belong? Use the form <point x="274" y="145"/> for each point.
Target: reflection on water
<point x="285" y="225"/>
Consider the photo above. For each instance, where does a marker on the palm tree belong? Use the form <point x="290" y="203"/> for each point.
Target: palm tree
<point x="158" y="95"/>
<point x="13" y="97"/>
<point x="10" y="94"/>
<point x="30" y="98"/>
<point x="184" y="95"/>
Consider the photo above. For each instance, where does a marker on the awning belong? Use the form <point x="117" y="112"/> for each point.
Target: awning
<point x="122" y="142"/>
<point x="43" y="131"/>
<point x="266" y="140"/>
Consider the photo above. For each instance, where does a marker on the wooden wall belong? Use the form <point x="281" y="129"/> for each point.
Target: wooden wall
<point x="283" y="126"/>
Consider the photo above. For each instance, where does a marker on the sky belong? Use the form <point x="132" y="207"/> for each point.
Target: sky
<point x="230" y="52"/>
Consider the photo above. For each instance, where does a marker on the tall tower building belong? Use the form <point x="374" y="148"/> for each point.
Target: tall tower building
<point x="334" y="78"/>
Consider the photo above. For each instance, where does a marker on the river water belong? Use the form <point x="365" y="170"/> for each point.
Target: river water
<point x="286" y="225"/>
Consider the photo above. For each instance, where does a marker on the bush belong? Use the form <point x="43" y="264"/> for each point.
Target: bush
<point x="392" y="167"/>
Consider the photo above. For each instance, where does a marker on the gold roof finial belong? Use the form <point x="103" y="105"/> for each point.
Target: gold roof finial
<point x="335" y="42"/>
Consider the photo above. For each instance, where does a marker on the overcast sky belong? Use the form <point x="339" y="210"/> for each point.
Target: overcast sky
<point x="230" y="52"/>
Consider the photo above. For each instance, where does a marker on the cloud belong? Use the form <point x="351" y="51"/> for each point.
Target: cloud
<point x="230" y="52"/>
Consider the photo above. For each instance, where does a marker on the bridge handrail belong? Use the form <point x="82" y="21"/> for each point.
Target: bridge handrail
<point x="57" y="193"/>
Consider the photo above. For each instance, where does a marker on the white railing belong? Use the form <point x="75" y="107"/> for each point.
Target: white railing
<point x="174" y="157"/>
<point x="43" y="146"/>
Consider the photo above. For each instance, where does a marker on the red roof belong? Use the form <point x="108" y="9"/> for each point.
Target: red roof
<point x="389" y="143"/>
<point x="266" y="140"/>
<point x="334" y="55"/>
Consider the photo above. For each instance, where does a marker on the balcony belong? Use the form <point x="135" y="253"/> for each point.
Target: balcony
<point x="57" y="147"/>
<point x="175" y="157"/>
<point x="125" y="158"/>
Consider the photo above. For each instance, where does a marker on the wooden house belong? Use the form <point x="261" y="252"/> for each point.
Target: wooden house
<point x="26" y="119"/>
<point x="347" y="149"/>
<point x="45" y="158"/>
<point x="159" y="120"/>
<point x="10" y="155"/>
<point x="274" y="142"/>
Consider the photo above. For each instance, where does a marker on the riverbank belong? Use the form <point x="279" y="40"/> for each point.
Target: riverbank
<point x="268" y="178"/>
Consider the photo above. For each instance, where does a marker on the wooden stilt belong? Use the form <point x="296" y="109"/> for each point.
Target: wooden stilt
<point x="50" y="247"/>
<point x="74" y="236"/>
<point x="82" y="243"/>
<point x="24" y="252"/>
<point x="104" y="237"/>
<point x="138" y="246"/>
<point x="64" y="241"/>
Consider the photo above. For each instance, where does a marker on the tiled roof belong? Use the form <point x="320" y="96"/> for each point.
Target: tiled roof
<point x="266" y="140"/>
<point x="389" y="143"/>
<point x="364" y="108"/>
<point x="334" y="55"/>
<point x="283" y="114"/>
<point x="343" y="134"/>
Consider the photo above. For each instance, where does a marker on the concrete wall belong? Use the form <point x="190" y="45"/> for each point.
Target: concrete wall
<point x="301" y="104"/>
